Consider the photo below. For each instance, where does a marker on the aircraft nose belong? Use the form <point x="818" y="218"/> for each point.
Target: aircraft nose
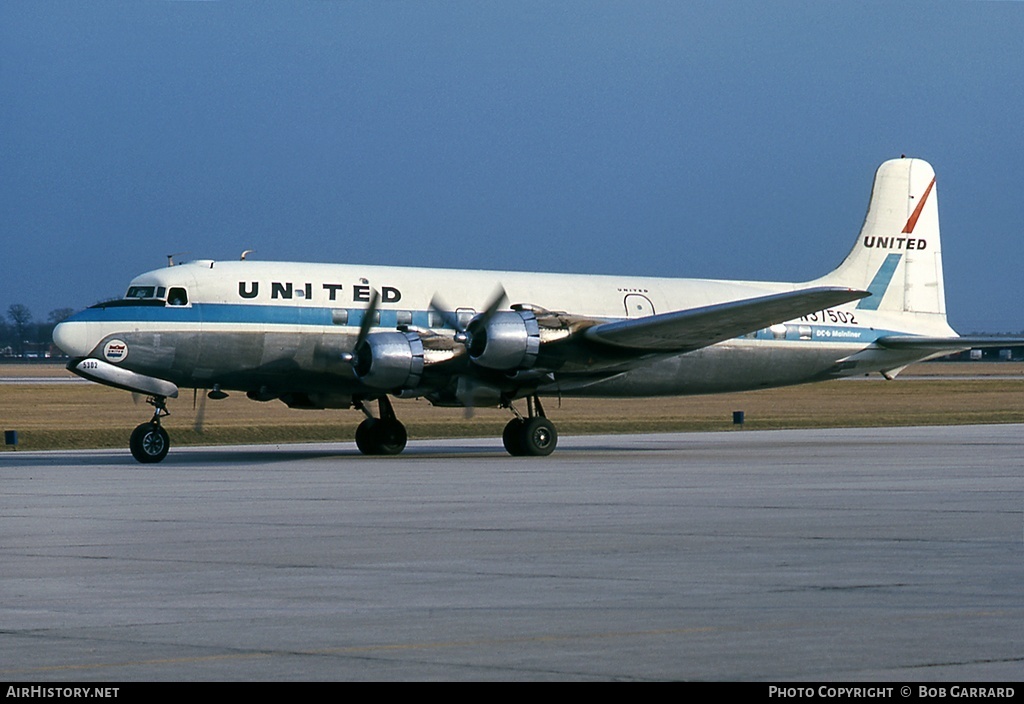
<point x="73" y="338"/>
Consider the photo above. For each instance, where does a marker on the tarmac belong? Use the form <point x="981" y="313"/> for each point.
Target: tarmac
<point x="870" y="555"/>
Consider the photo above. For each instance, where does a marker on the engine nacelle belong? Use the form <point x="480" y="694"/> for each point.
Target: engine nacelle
<point x="508" y="340"/>
<point x="389" y="360"/>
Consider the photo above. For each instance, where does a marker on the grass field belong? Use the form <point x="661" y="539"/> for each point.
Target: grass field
<point x="66" y="416"/>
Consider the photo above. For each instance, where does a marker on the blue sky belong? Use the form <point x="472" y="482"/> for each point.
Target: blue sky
<point x="718" y="139"/>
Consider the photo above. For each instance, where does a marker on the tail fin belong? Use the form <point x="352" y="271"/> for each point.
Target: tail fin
<point x="898" y="256"/>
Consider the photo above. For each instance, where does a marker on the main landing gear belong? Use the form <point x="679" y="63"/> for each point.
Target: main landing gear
<point x="532" y="436"/>
<point x="380" y="436"/>
<point x="149" y="442"/>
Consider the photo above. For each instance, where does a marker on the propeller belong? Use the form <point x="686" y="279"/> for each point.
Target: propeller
<point x="369" y="316"/>
<point x="471" y="391"/>
<point x="451" y="320"/>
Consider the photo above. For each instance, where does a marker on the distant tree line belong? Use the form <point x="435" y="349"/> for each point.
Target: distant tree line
<point x="21" y="335"/>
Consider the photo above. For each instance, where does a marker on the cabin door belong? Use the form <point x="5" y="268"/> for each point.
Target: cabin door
<point x="638" y="306"/>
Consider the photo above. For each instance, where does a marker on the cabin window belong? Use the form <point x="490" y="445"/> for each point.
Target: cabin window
<point x="177" y="297"/>
<point x="403" y="317"/>
<point x="464" y="316"/>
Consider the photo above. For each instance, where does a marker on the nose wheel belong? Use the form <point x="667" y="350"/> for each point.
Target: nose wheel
<point x="149" y="442"/>
<point x="534" y="436"/>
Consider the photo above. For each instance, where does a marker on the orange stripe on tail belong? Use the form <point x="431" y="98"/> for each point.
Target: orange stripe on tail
<point x="912" y="222"/>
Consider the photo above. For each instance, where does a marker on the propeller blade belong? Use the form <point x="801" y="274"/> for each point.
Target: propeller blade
<point x="368" y="318"/>
<point x="500" y="298"/>
<point x="364" y="328"/>
<point x="473" y="392"/>
<point x="451" y="320"/>
<point x="479" y="322"/>
<point x="197" y="426"/>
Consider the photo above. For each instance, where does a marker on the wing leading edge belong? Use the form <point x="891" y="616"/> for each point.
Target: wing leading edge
<point x="691" y="329"/>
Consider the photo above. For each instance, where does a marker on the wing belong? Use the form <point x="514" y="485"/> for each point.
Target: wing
<point x="501" y="353"/>
<point x="691" y="329"/>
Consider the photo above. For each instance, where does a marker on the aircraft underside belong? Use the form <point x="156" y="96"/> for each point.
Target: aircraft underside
<point x="307" y="371"/>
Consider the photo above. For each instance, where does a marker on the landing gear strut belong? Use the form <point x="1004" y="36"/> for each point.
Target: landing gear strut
<point x="380" y="436"/>
<point x="532" y="436"/>
<point x="149" y="442"/>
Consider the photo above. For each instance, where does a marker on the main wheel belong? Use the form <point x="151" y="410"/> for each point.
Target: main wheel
<point x="149" y="443"/>
<point x="379" y="436"/>
<point x="539" y="437"/>
<point x="512" y="437"/>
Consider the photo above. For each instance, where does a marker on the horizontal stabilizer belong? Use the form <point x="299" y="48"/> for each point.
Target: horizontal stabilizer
<point x="952" y="344"/>
<point x="685" y="330"/>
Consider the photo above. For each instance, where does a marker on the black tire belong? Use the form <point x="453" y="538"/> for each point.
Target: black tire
<point x="376" y="436"/>
<point x="538" y="437"/>
<point x="365" y="436"/>
<point x="391" y="437"/>
<point x="149" y="443"/>
<point x="512" y="437"/>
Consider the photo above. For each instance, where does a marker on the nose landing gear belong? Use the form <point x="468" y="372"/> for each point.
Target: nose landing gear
<point x="149" y="442"/>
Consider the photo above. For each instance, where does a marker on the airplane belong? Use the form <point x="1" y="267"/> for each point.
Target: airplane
<point x="317" y="335"/>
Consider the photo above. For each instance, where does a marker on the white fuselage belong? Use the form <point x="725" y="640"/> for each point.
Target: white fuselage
<point x="285" y="326"/>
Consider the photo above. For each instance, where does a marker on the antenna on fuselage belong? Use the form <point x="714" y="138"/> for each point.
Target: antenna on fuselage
<point x="170" y="257"/>
<point x="246" y="253"/>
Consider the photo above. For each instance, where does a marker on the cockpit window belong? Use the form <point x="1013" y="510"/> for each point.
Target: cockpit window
<point x="177" y="297"/>
<point x="146" y="292"/>
<point x="150" y="296"/>
<point x="141" y="292"/>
